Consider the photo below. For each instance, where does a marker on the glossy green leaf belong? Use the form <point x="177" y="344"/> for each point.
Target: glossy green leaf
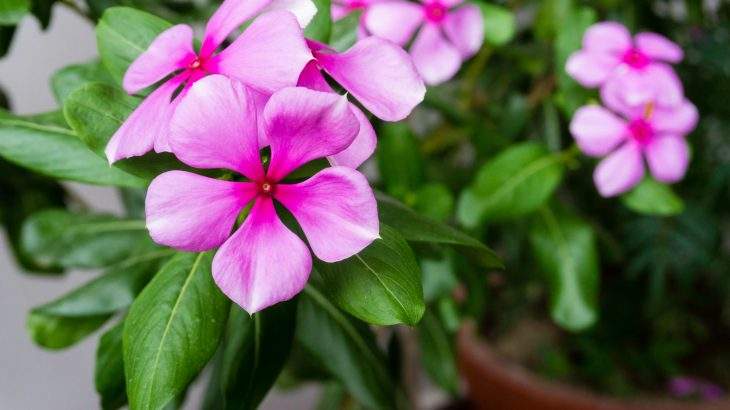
<point x="653" y="198"/>
<point x="57" y="237"/>
<point x="56" y="332"/>
<point x="565" y="247"/>
<point x="122" y="34"/>
<point x="499" y="23"/>
<point x="95" y="111"/>
<point x="437" y="353"/>
<point x="516" y="182"/>
<point x="69" y="78"/>
<point x="344" y="31"/>
<point x="434" y="201"/>
<point x="399" y="160"/>
<point x="380" y="285"/>
<point x="346" y="348"/>
<point x="109" y="369"/>
<point x="321" y="25"/>
<point x="58" y="153"/>
<point x="12" y="11"/>
<point x="172" y="330"/>
<point x="418" y="228"/>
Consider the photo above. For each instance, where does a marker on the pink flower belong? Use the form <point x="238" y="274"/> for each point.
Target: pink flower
<point x="653" y="132"/>
<point x="377" y="73"/>
<point x="629" y="71"/>
<point x="449" y="33"/>
<point x="268" y="56"/>
<point x="342" y="8"/>
<point x="262" y="262"/>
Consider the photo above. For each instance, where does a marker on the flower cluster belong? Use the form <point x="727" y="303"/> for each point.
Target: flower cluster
<point x="217" y="109"/>
<point x="646" y="114"/>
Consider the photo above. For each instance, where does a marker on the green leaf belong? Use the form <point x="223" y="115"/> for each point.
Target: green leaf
<point x="254" y="353"/>
<point x="565" y="247"/>
<point x="434" y="201"/>
<point x="399" y="160"/>
<point x="123" y="34"/>
<point x="109" y="369"/>
<point x="69" y="78"/>
<point x="55" y="332"/>
<point x="321" y="25"/>
<point x="380" y="285"/>
<point x="571" y="95"/>
<point x="439" y="278"/>
<point x="58" y="237"/>
<point x="172" y="330"/>
<point x="516" y="182"/>
<point x="418" y="228"/>
<point x="95" y="111"/>
<point x="344" y="31"/>
<point x="41" y="9"/>
<point x="345" y="348"/>
<point x="653" y="198"/>
<point x="499" y="24"/>
<point x="12" y="11"/>
<point x="437" y="353"/>
<point x="57" y="153"/>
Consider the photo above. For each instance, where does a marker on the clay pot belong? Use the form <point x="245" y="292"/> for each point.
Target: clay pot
<point x="494" y="384"/>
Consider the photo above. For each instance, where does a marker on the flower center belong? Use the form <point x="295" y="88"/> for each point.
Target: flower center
<point x="641" y="131"/>
<point x="435" y="12"/>
<point x="636" y="59"/>
<point x="196" y="64"/>
<point x="266" y="188"/>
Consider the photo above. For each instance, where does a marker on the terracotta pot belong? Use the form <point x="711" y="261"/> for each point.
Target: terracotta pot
<point x="494" y="384"/>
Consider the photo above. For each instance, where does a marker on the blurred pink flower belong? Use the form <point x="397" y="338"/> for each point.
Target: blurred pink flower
<point x="630" y="71"/>
<point x="267" y="56"/>
<point x="343" y="8"/>
<point x="653" y="132"/>
<point x="377" y="73"/>
<point x="262" y="262"/>
<point x="449" y="33"/>
<point x="685" y="386"/>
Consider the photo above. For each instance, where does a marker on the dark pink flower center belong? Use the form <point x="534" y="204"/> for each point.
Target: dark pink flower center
<point x="641" y="131"/>
<point x="266" y="187"/>
<point x="356" y="5"/>
<point x="435" y="12"/>
<point x="635" y="58"/>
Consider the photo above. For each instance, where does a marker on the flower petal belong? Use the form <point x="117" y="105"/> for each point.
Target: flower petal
<point x="393" y="20"/>
<point x="215" y="127"/>
<point x="591" y="69"/>
<point x="194" y="213"/>
<point x="169" y="51"/>
<point x="620" y="171"/>
<point x="337" y="212"/>
<point x="269" y="55"/>
<point x="303" y="10"/>
<point x="312" y="78"/>
<point x="630" y="90"/>
<point x="607" y="37"/>
<point x="147" y="124"/>
<point x="659" y="47"/>
<point x="668" y="158"/>
<point x="379" y="74"/>
<point x="465" y="28"/>
<point x="263" y="263"/>
<point x="679" y="120"/>
<point x="303" y="125"/>
<point x="596" y="130"/>
<point x="436" y="59"/>
<point x="361" y="148"/>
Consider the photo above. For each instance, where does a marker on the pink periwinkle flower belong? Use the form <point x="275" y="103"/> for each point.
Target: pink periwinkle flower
<point x="262" y="262"/>
<point x="379" y="74"/>
<point x="630" y="71"/>
<point x="267" y="56"/>
<point x="652" y="132"/>
<point x="449" y="33"/>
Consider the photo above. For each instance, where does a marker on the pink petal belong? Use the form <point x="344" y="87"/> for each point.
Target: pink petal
<point x="338" y="12"/>
<point x="607" y="37"/>
<point x="269" y="55"/>
<point x="149" y="122"/>
<point x="591" y="69"/>
<point x="630" y="90"/>
<point x="337" y="211"/>
<point x="312" y="78"/>
<point x="303" y="10"/>
<point x="303" y="125"/>
<point x="361" y="148"/>
<point x="379" y="74"/>
<point x="394" y="20"/>
<point x="168" y="52"/>
<point x="597" y="131"/>
<point x="263" y="263"/>
<point x="668" y="89"/>
<point x="668" y="158"/>
<point x="436" y="59"/>
<point x="679" y="120"/>
<point x="194" y="213"/>
<point x="465" y="28"/>
<point x="215" y="127"/>
<point x="447" y="3"/>
<point x="620" y="171"/>
<point x="659" y="47"/>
